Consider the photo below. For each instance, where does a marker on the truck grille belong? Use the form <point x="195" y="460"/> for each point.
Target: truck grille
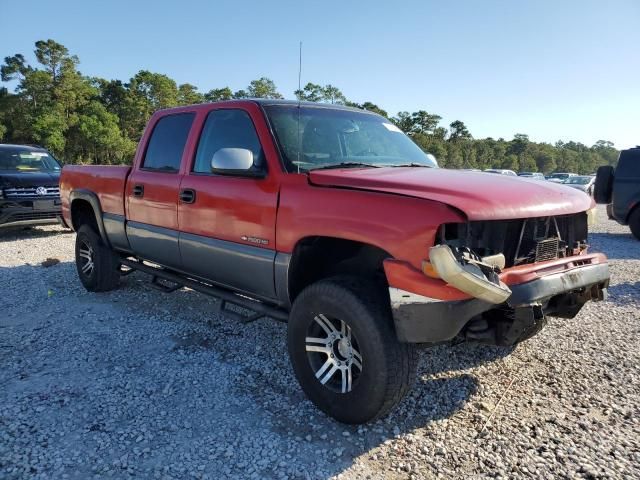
<point x="17" y="217"/>
<point x="39" y="192"/>
<point x="521" y="241"/>
<point x="547" y="249"/>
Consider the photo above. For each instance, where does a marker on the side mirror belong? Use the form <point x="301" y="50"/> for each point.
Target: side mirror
<point x="233" y="161"/>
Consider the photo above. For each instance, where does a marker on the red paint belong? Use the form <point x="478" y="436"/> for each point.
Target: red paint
<point x="227" y="207"/>
<point x="481" y="196"/>
<point x="105" y="181"/>
<point x="395" y="209"/>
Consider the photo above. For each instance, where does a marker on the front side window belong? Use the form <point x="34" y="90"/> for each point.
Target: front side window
<point x="227" y="129"/>
<point x="320" y="137"/>
<point x="27" y="160"/>
<point x="167" y="142"/>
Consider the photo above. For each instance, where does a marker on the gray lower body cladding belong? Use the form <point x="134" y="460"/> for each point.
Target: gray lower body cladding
<point x="422" y="320"/>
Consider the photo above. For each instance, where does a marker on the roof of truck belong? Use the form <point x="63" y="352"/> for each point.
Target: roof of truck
<point x="273" y="101"/>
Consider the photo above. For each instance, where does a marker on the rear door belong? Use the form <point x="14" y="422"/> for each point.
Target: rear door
<point x="227" y="224"/>
<point x="152" y="190"/>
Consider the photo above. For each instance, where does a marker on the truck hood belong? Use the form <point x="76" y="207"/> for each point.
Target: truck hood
<point x="11" y="178"/>
<point x="481" y="196"/>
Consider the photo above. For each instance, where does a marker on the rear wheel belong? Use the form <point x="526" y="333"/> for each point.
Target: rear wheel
<point x="634" y="222"/>
<point x="98" y="266"/>
<point x="344" y="350"/>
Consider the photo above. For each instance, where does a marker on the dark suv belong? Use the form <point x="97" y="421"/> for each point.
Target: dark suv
<point x="29" y="186"/>
<point x="620" y="189"/>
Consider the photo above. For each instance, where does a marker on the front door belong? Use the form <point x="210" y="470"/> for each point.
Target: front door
<point x="152" y="192"/>
<point x="227" y="223"/>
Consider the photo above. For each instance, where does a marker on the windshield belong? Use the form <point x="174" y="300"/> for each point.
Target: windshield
<point x="25" y="160"/>
<point x="578" y="180"/>
<point x="317" y="137"/>
<point x="559" y="175"/>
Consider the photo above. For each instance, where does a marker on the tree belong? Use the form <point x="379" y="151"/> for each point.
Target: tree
<point x="459" y="131"/>
<point x="84" y="119"/>
<point x="333" y="95"/>
<point x="218" y="94"/>
<point x="188" y="95"/>
<point x="312" y="92"/>
<point x="425" y="122"/>
<point x="405" y="122"/>
<point x="263" y="88"/>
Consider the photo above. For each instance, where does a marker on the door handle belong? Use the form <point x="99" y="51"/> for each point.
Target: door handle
<point x="187" y="195"/>
<point x="138" y="190"/>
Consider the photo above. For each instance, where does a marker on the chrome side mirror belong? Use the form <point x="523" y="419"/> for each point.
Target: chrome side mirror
<point x="232" y="161"/>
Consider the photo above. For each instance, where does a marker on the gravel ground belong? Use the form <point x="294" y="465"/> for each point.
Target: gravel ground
<point x="137" y="383"/>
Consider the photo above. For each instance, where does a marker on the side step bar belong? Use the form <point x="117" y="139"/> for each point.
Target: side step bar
<point x="225" y="297"/>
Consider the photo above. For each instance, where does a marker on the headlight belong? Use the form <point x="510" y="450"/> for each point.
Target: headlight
<point x="469" y="277"/>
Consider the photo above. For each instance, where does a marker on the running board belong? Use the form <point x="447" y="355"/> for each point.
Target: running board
<point x="225" y="297"/>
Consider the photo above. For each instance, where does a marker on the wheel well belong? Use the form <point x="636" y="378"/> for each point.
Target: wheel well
<point x="82" y="213"/>
<point x="315" y="258"/>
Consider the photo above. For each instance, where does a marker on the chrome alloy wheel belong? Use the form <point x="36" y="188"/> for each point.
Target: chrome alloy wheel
<point x="86" y="258"/>
<point x="333" y="353"/>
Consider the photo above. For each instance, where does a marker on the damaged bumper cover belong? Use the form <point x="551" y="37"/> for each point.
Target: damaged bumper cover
<point x="556" y="288"/>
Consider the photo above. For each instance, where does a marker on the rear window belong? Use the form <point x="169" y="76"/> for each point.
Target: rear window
<point x="167" y="142"/>
<point x="629" y="163"/>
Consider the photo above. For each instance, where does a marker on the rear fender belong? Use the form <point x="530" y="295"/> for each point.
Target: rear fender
<point x="94" y="201"/>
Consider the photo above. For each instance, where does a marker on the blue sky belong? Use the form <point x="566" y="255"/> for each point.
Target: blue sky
<point x="556" y="70"/>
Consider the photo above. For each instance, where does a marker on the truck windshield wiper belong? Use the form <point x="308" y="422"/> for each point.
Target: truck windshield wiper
<point x="412" y="165"/>
<point x="345" y="165"/>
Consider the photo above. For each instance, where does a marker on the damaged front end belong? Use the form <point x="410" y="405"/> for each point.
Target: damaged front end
<point x="514" y="273"/>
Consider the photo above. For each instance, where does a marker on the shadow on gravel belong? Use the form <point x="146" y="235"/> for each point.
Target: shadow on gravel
<point x="616" y="246"/>
<point x="27" y="233"/>
<point x="627" y="292"/>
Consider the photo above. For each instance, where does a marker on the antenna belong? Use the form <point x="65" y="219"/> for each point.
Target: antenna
<point x="299" y="100"/>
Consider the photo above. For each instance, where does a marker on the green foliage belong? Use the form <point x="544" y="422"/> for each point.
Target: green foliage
<point x="325" y="94"/>
<point x="263" y="88"/>
<point x="94" y="120"/>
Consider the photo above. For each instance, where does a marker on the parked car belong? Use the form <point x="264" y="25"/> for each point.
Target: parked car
<point x="29" y="190"/>
<point x="619" y="188"/>
<point x="332" y="219"/>
<point x="560" y="177"/>
<point x="583" y="183"/>
<point x="500" y="171"/>
<point x="532" y="175"/>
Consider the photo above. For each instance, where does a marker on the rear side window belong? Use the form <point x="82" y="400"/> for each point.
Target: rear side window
<point x="167" y="142"/>
<point x="227" y="129"/>
<point x="629" y="163"/>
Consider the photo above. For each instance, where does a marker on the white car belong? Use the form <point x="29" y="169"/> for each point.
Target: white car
<point x="581" y="182"/>
<point x="560" y="177"/>
<point x="501" y="171"/>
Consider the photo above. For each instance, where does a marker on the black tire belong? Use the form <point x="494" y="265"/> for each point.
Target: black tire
<point x="609" y="209"/>
<point x="104" y="275"/>
<point x="388" y="367"/>
<point x="603" y="186"/>
<point x="634" y="222"/>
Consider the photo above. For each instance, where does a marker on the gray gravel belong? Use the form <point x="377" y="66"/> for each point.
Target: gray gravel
<point x="137" y="383"/>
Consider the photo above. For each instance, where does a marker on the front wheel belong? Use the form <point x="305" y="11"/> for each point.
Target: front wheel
<point x="344" y="350"/>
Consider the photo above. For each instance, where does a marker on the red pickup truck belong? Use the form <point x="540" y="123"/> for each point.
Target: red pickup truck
<point x="331" y="219"/>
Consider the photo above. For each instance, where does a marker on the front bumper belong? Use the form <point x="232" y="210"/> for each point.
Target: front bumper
<point x="30" y="211"/>
<point x="556" y="288"/>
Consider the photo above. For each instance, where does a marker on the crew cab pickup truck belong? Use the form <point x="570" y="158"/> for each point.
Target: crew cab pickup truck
<point x="331" y="219"/>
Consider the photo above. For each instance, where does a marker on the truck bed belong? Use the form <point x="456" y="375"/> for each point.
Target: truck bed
<point x="106" y="181"/>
